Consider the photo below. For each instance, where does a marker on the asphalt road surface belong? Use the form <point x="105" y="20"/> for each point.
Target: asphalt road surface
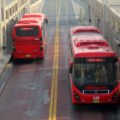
<point x="39" y="89"/>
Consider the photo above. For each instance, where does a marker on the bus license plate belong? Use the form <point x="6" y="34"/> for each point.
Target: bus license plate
<point x="96" y="101"/>
<point x="28" y="55"/>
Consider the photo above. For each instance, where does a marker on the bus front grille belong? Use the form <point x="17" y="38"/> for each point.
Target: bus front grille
<point x="95" y="91"/>
<point x="26" y="43"/>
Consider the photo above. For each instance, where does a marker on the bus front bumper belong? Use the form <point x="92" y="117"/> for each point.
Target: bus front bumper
<point x="27" y="55"/>
<point x="112" y="97"/>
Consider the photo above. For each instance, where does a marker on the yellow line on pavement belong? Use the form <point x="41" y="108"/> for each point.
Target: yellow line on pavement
<point x="53" y="101"/>
<point x="56" y="81"/>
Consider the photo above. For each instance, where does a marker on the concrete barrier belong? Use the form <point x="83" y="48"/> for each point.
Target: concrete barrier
<point x="106" y="17"/>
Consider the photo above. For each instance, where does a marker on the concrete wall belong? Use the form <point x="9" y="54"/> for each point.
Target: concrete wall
<point x="106" y="16"/>
<point x="9" y="15"/>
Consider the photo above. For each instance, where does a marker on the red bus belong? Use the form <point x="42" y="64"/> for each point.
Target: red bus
<point x="93" y="70"/>
<point x="30" y="38"/>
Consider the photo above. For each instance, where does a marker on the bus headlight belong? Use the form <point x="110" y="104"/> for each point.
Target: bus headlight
<point x="76" y="96"/>
<point x="115" y="96"/>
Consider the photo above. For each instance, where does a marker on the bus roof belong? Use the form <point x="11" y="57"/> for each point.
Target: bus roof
<point x="80" y="29"/>
<point x="27" y="21"/>
<point x="28" y="25"/>
<point x="91" y="46"/>
<point x="34" y="15"/>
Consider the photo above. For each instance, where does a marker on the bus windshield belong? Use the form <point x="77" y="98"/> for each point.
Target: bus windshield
<point x="94" y="74"/>
<point x="27" y="31"/>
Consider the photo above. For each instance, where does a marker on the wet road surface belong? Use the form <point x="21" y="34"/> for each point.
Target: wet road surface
<point x="39" y="89"/>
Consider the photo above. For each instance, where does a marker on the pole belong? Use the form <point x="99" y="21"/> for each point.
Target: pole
<point x="3" y="42"/>
<point x="0" y="23"/>
<point x="89" y="9"/>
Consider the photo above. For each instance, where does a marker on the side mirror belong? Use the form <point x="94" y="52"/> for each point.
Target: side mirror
<point x="46" y="20"/>
<point x="70" y="67"/>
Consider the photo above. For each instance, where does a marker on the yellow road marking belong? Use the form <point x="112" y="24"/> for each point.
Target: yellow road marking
<point x="53" y="102"/>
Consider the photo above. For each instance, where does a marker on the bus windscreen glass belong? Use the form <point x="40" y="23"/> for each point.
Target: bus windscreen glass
<point x="94" y="73"/>
<point x="27" y="31"/>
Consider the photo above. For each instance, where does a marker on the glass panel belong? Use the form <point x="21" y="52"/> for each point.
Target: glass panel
<point x="96" y="73"/>
<point x="27" y="31"/>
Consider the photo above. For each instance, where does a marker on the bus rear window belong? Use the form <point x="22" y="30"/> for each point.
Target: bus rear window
<point x="27" y="31"/>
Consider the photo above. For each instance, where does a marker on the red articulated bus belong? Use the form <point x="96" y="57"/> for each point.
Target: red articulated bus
<point x="93" y="69"/>
<point x="30" y="38"/>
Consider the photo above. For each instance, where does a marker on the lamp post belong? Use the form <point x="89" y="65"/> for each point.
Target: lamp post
<point x="89" y="9"/>
<point x="4" y="37"/>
